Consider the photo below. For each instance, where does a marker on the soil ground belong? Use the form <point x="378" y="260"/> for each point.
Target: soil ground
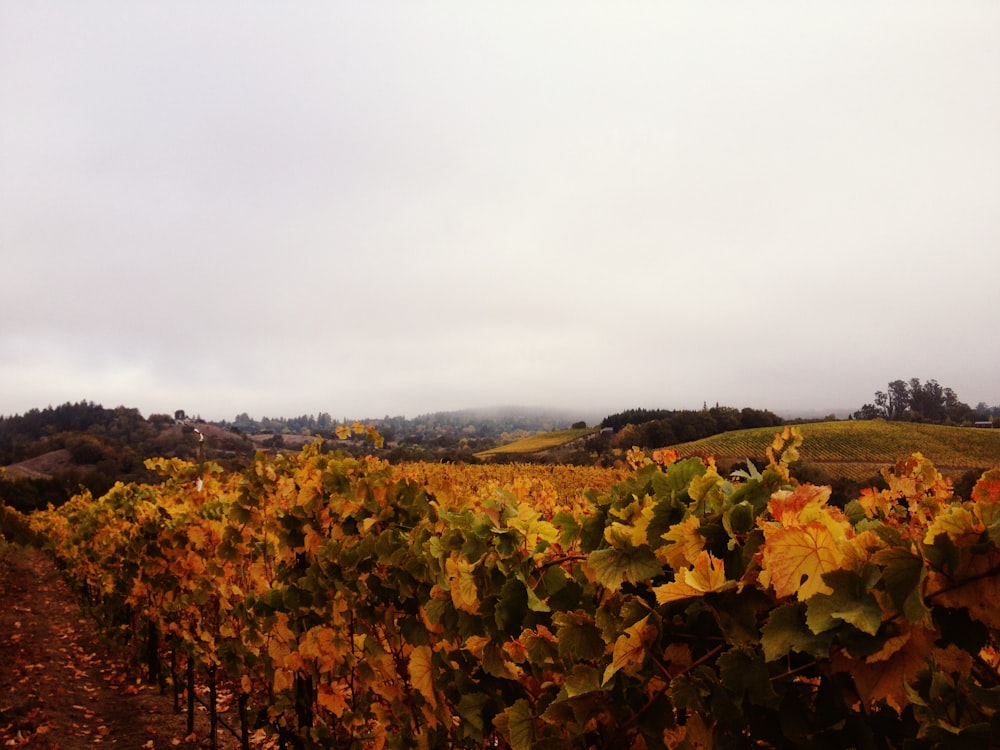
<point x="61" y="688"/>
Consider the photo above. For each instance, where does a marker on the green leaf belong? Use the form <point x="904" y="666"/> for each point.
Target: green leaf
<point x="592" y="532"/>
<point x="675" y="481"/>
<point x="541" y="646"/>
<point x="517" y="725"/>
<point x="707" y="491"/>
<point x="786" y="631"/>
<point x="739" y="519"/>
<point x="738" y="614"/>
<point x="512" y="607"/>
<point x="569" y="528"/>
<point x="903" y="574"/>
<point x="826" y="611"/>
<point x="612" y="567"/>
<point x="579" y="638"/>
<point x="846" y="604"/>
<point x="580" y="680"/>
<point x="495" y="661"/>
<point x="470" y="708"/>
<point x="666" y="513"/>
<point x="534" y="603"/>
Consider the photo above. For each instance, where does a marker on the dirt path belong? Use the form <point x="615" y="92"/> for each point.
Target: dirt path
<point x="60" y="688"/>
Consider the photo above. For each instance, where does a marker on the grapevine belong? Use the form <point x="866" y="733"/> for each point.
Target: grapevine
<point x="353" y="603"/>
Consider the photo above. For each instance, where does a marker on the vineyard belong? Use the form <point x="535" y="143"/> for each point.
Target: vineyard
<point x="351" y="603"/>
<point x="541" y="442"/>
<point x="859" y="450"/>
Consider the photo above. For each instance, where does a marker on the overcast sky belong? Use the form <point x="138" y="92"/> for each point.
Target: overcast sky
<point x="371" y="208"/>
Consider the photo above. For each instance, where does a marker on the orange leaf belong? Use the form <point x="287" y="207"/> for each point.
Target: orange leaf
<point x="987" y="489"/>
<point x="796" y="558"/>
<point x="708" y="574"/>
<point x="630" y="648"/>
<point x="665" y="456"/>
<point x="975" y="585"/>
<point x="334" y="698"/>
<point x="786" y="507"/>
<point x="887" y="679"/>
<point x="422" y="673"/>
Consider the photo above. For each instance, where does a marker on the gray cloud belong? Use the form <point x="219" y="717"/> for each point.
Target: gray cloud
<point x="396" y="208"/>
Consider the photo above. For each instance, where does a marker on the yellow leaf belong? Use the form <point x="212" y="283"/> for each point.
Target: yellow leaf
<point x="877" y="502"/>
<point x="687" y="544"/>
<point x="708" y="574"/>
<point x="534" y="528"/>
<point x="956" y="523"/>
<point x="630" y="648"/>
<point x="796" y="558"/>
<point x="462" y="584"/>
<point x="422" y="672"/>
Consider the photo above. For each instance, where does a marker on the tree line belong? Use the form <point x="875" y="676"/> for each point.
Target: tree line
<point x="915" y="401"/>
<point x="655" y="428"/>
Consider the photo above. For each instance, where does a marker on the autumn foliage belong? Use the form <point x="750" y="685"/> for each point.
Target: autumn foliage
<point x="363" y="605"/>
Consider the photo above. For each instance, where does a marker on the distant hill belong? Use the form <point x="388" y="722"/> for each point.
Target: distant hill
<point x="859" y="449"/>
<point x="538" y="443"/>
<point x="45" y="466"/>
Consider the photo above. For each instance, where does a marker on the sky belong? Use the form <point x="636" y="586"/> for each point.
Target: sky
<point x="395" y="208"/>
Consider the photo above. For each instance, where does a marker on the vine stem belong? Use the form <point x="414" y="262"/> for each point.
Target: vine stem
<point x="966" y="581"/>
<point x="663" y="668"/>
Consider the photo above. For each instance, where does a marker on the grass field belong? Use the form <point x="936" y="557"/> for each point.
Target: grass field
<point x="535" y="443"/>
<point x="860" y="449"/>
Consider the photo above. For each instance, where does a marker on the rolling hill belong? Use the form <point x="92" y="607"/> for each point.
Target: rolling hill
<point x="858" y="450"/>
<point x="542" y="441"/>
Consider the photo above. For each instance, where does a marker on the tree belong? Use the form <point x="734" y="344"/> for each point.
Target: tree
<point x="922" y="402"/>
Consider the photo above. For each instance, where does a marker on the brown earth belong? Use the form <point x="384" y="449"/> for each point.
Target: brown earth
<point x="60" y="687"/>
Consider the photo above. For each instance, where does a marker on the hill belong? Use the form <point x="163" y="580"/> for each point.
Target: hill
<point x="537" y="443"/>
<point x="45" y="466"/>
<point x="859" y="449"/>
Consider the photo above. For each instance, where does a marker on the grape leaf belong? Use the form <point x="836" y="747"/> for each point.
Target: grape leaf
<point x="517" y="725"/>
<point x="786" y="631"/>
<point x="975" y="585"/>
<point x="845" y="604"/>
<point x="462" y="584"/>
<point x="611" y="567"/>
<point x="708" y="574"/>
<point x="796" y="558"/>
<point x="902" y="573"/>
<point x="887" y="679"/>
<point x="630" y="649"/>
<point x="685" y="544"/>
<point x="421" y="669"/>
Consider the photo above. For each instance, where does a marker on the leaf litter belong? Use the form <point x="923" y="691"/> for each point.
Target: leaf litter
<point x="61" y="688"/>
